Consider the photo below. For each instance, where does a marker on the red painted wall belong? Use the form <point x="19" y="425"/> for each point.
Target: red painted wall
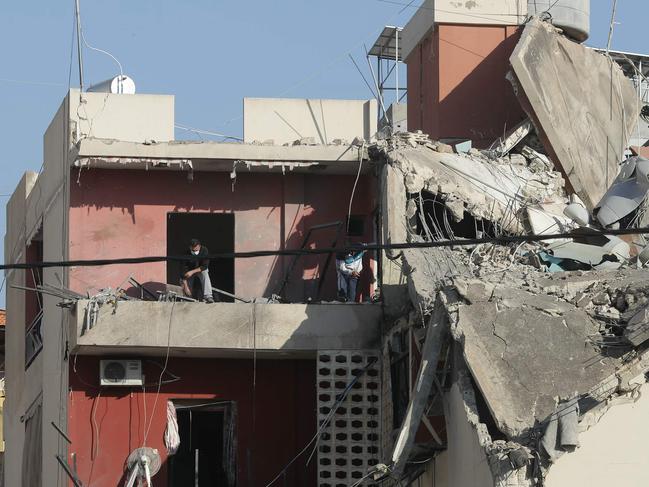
<point x="107" y="424"/>
<point x="123" y="213"/>
<point x="456" y="79"/>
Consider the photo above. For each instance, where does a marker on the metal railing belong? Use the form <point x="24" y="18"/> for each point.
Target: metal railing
<point x="33" y="339"/>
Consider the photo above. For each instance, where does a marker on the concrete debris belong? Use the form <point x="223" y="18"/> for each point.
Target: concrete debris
<point x="492" y="190"/>
<point x="583" y="120"/>
<point x="548" y="218"/>
<point x="561" y="433"/>
<point x="637" y="328"/>
<point x="551" y="331"/>
<point x="95" y="303"/>
<point x="537" y="162"/>
<point x="515" y="136"/>
<point x="305" y="141"/>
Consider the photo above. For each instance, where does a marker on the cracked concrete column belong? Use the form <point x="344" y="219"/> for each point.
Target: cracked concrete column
<point x="393" y="223"/>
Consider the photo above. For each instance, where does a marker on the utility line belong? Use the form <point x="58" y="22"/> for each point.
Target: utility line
<point x="501" y="240"/>
<point x="464" y="14"/>
<point x="28" y="82"/>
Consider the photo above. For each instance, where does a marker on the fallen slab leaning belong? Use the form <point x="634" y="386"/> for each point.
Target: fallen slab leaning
<point x="581" y="104"/>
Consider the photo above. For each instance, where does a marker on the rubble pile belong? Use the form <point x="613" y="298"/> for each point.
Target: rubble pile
<point x="548" y="333"/>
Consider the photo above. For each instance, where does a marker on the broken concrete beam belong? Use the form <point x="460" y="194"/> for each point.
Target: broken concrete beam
<point x="581" y="104"/>
<point x="637" y="329"/>
<point x="430" y="354"/>
<point x="526" y="348"/>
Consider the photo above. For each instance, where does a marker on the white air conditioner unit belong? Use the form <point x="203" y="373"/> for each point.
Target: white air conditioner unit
<point x="120" y="372"/>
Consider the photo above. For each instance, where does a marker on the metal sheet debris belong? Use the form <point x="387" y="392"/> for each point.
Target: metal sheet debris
<point x="627" y="192"/>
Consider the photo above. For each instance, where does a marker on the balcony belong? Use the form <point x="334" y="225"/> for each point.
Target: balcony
<point x="223" y="329"/>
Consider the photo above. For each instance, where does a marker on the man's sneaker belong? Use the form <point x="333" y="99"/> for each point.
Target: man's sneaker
<point x="209" y="300"/>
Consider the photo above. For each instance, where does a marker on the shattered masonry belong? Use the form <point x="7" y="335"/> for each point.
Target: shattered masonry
<point x="545" y="337"/>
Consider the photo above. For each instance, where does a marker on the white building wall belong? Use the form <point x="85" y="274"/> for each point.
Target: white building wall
<point x="43" y="200"/>
<point x="485" y="12"/>
<point x="22" y="387"/>
<point x="130" y="118"/>
<point x="613" y="452"/>
<point x="285" y="120"/>
<point x="467" y="461"/>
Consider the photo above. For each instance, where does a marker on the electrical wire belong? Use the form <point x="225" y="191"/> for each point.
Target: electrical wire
<point x="121" y="71"/>
<point x="362" y="479"/>
<point x="95" y="433"/>
<point x="28" y="82"/>
<point x="206" y="132"/>
<point x="358" y="175"/>
<point x="501" y="239"/>
<point x="164" y="369"/>
<point x="325" y="423"/>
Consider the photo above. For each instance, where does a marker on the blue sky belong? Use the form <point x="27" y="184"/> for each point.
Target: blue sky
<point x="209" y="54"/>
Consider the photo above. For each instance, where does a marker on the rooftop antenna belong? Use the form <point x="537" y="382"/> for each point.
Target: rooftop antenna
<point x="119" y="84"/>
<point x="79" y="53"/>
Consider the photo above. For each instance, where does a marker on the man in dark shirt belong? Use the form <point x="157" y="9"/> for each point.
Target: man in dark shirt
<point x="198" y="268"/>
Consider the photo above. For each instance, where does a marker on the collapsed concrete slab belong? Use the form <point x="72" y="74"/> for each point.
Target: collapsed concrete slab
<point x="582" y="105"/>
<point x="530" y="343"/>
<point x="487" y="189"/>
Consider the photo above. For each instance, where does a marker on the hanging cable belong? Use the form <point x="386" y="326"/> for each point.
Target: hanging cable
<point x="119" y="65"/>
<point x="164" y="369"/>
<point x="358" y="175"/>
<point x="325" y="423"/>
<point x="467" y="242"/>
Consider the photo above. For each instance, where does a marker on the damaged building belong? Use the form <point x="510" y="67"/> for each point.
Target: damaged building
<point x="106" y="360"/>
<point x="502" y="325"/>
<point x="525" y="358"/>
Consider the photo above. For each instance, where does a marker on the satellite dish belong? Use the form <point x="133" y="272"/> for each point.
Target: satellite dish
<point x="577" y="213"/>
<point x="142" y="464"/>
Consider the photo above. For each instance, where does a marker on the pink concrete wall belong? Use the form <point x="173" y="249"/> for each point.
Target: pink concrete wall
<point x="275" y="419"/>
<point x="123" y="213"/>
<point x="457" y="85"/>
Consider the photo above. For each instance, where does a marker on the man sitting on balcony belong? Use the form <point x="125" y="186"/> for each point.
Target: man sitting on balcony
<point x="197" y="268"/>
<point x="349" y="265"/>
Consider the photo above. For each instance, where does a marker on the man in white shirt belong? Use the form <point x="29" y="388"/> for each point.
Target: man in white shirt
<point x="349" y="265"/>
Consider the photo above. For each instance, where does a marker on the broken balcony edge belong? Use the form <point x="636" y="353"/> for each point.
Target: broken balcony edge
<point x="223" y="329"/>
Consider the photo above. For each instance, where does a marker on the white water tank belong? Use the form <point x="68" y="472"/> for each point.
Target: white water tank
<point x="121" y="84"/>
<point x="573" y="16"/>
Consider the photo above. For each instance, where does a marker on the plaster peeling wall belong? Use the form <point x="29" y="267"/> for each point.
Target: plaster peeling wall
<point x="612" y="452"/>
<point x="483" y="12"/>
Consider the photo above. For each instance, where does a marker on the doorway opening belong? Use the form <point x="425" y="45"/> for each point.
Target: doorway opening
<point x="216" y="232"/>
<point x="206" y="456"/>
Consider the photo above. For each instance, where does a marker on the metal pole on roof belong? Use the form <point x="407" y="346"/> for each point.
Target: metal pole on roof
<point x="79" y="54"/>
<point x="610" y="30"/>
<point x="396" y="61"/>
<point x="376" y="83"/>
